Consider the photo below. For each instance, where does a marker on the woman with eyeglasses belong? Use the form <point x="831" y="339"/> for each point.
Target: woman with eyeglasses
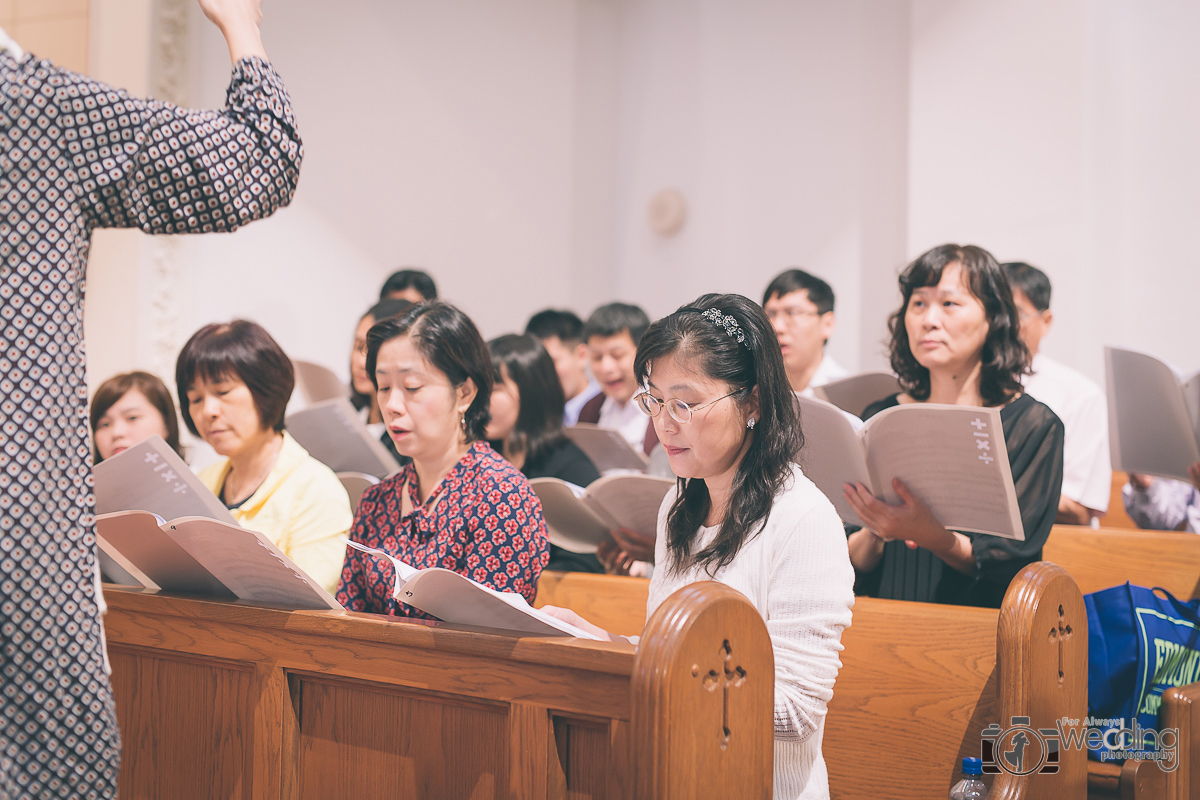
<point x="743" y="513"/>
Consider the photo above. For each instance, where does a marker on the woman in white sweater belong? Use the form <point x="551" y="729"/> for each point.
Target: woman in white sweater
<point x="714" y="383"/>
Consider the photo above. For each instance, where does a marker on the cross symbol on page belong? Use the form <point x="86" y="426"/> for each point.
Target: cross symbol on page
<point x="979" y="424"/>
<point x="724" y="678"/>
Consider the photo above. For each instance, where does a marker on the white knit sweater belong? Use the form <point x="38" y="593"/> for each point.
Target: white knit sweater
<point x="797" y="573"/>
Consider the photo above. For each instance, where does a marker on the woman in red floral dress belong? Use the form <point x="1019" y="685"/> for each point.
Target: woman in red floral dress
<point x="459" y="505"/>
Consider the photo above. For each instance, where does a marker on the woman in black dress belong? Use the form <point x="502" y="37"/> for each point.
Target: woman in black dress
<point x="955" y="340"/>
<point x="526" y="427"/>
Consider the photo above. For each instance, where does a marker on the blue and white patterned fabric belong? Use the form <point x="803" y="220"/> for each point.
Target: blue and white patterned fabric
<point x="75" y="155"/>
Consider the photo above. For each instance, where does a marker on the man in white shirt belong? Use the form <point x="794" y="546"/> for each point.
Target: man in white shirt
<point x="1078" y="402"/>
<point x="612" y="334"/>
<point x="561" y="333"/>
<point x="800" y="306"/>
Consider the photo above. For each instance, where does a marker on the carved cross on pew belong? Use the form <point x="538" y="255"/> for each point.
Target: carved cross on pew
<point x="1059" y="634"/>
<point x="727" y="676"/>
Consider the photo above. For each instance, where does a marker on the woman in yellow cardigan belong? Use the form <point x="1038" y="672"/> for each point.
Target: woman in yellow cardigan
<point x="234" y="382"/>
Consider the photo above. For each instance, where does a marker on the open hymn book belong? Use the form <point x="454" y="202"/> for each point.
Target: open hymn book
<point x="607" y="448"/>
<point x="1153" y="415"/>
<point x="952" y="457"/>
<point x="201" y="549"/>
<point x="333" y="434"/>
<point x="580" y="519"/>
<point x="457" y="599"/>
<point x="855" y="393"/>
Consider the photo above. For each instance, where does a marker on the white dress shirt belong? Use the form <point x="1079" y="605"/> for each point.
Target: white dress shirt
<point x="1083" y="409"/>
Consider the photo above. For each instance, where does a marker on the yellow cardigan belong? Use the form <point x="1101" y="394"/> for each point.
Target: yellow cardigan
<point x="301" y="507"/>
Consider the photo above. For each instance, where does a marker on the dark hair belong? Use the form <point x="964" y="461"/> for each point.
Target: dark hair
<point x="776" y="439"/>
<point x="539" y="425"/>
<point x="450" y="342"/>
<point x="409" y="279"/>
<point x="239" y="349"/>
<point x="1030" y="280"/>
<point x="388" y="307"/>
<point x="1005" y="357"/>
<point x="154" y="390"/>
<point x="820" y="294"/>
<point x="566" y="325"/>
<point x="611" y="319"/>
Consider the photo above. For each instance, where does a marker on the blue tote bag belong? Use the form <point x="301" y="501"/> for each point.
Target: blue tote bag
<point x="1141" y="642"/>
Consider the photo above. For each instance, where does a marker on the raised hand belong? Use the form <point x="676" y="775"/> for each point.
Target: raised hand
<point x="238" y="21"/>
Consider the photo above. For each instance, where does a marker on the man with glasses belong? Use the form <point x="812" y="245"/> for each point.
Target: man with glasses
<point x="800" y="306"/>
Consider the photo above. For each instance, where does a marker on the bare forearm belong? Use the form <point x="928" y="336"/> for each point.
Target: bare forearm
<point x="238" y="21"/>
<point x="865" y="550"/>
<point x="1072" y="513"/>
<point x="957" y="552"/>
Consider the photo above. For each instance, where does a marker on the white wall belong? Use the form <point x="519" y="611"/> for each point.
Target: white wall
<point x="1064" y="134"/>
<point x="512" y="149"/>
<point x="783" y="124"/>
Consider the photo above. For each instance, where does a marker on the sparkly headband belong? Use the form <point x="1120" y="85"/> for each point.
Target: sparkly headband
<point x="727" y="322"/>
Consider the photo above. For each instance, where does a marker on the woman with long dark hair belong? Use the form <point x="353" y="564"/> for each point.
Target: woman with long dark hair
<point x="956" y="340"/>
<point x="743" y="513"/>
<point x="526" y="427"/>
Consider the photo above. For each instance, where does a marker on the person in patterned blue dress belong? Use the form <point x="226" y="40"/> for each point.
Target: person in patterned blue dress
<point x="76" y="155"/>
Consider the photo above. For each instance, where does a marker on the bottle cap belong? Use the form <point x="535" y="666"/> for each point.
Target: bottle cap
<point x="972" y="766"/>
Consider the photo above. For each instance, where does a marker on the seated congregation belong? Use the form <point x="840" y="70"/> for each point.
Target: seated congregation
<point x="710" y="391"/>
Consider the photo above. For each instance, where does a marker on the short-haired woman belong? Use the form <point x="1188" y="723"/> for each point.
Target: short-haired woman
<point x="955" y="340"/>
<point x="234" y="382"/>
<point x="459" y="505"/>
<point x="129" y="408"/>
<point x="526" y="427"/>
<point x="743" y="513"/>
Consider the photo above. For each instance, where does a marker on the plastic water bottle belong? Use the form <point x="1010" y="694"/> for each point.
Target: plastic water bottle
<point x="971" y="787"/>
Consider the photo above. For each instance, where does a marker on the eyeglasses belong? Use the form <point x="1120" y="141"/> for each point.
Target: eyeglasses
<point x="680" y="411"/>
<point x="792" y="314"/>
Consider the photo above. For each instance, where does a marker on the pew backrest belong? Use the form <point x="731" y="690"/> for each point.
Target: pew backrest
<point x="1098" y="559"/>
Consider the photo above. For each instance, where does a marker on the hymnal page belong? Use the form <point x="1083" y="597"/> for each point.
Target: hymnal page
<point x="1150" y="427"/>
<point x="136" y="537"/>
<point x="571" y="524"/>
<point x="629" y="501"/>
<point x="333" y="434"/>
<point x="151" y="477"/>
<point x="832" y="454"/>
<point x="459" y="600"/>
<point x="855" y="393"/>
<point x="953" y="458"/>
<point x="249" y="564"/>
<point x="607" y="449"/>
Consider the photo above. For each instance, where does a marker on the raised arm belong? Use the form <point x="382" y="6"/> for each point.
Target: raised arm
<point x="151" y="165"/>
<point x="238" y="21"/>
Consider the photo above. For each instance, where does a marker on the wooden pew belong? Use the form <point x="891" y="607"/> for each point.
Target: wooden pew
<point x="919" y="682"/>
<point x="1100" y="558"/>
<point x="216" y="699"/>
<point x="1116" y="517"/>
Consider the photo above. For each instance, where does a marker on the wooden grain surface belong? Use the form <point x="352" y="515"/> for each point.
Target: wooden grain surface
<point x="1098" y="559"/>
<point x="1115" y="516"/>
<point x="709" y="671"/>
<point x="616" y="603"/>
<point x="223" y="700"/>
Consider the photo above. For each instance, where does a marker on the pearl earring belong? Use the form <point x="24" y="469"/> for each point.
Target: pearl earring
<point x="750" y="423"/>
